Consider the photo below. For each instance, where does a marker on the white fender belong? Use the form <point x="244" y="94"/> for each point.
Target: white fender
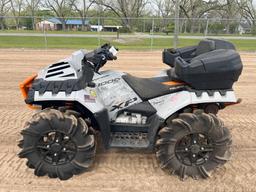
<point x="168" y="104"/>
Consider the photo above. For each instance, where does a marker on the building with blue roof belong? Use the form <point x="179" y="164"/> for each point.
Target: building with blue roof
<point x="53" y="24"/>
<point x="56" y="24"/>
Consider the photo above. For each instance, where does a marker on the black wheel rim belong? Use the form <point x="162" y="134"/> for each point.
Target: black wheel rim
<point x="194" y="149"/>
<point x="56" y="148"/>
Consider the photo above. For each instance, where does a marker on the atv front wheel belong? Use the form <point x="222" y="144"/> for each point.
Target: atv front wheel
<point x="57" y="144"/>
<point x="193" y="145"/>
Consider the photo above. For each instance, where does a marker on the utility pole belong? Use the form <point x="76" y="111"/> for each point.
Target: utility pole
<point x="176" y="29"/>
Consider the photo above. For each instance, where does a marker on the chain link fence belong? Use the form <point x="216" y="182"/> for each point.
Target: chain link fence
<point x="137" y="33"/>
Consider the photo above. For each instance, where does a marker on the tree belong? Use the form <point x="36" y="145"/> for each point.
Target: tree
<point x="228" y="9"/>
<point x="83" y="9"/>
<point x="4" y="8"/>
<point x="125" y="9"/>
<point x="17" y="7"/>
<point x="164" y="9"/>
<point x="170" y="28"/>
<point x="61" y="8"/>
<point x="32" y="7"/>
<point x="196" y="9"/>
<point x="216" y="28"/>
<point x="248" y="11"/>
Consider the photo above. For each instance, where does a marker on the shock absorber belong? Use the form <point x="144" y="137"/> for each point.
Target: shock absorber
<point x="69" y="105"/>
<point x="212" y="108"/>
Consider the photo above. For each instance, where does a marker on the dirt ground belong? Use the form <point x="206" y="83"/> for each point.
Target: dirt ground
<point x="116" y="170"/>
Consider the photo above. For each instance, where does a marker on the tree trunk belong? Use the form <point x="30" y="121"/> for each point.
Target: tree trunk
<point x="228" y="27"/>
<point x="2" y="23"/>
<point x="83" y="24"/>
<point x="63" y="23"/>
<point x="185" y="27"/>
<point x="17" y="21"/>
<point x="126" y="23"/>
<point x="192" y="26"/>
<point x="33" y="21"/>
<point x="83" y="15"/>
<point x="199" y="28"/>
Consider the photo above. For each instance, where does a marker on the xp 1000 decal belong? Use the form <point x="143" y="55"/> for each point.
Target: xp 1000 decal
<point x="123" y="104"/>
<point x="116" y="94"/>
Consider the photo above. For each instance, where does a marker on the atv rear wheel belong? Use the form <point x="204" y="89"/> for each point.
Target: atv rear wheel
<point x="193" y="145"/>
<point x="57" y="144"/>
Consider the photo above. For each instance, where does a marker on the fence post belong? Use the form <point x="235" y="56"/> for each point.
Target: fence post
<point x="99" y="31"/>
<point x="176" y="30"/>
<point x="45" y="37"/>
<point x="206" y="28"/>
<point x="152" y="34"/>
<point x="33" y="23"/>
<point x="144" y="25"/>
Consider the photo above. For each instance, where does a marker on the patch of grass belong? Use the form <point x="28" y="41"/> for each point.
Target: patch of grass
<point x="202" y="34"/>
<point x="159" y="43"/>
<point x="52" y="42"/>
<point x="93" y="42"/>
<point x="114" y="33"/>
<point x="244" y="45"/>
<point x="59" y="32"/>
<point x="21" y="42"/>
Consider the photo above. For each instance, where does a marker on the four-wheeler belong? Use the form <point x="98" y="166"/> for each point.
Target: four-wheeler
<point x="173" y="114"/>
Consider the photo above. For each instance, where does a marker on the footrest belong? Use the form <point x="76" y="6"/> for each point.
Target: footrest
<point x="129" y="140"/>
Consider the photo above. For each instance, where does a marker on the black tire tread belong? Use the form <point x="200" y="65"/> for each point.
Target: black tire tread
<point x="187" y="123"/>
<point x="77" y="129"/>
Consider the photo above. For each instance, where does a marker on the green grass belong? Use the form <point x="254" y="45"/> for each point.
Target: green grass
<point x="91" y="42"/>
<point x="202" y="34"/>
<point x="59" y="32"/>
<point x="114" y="33"/>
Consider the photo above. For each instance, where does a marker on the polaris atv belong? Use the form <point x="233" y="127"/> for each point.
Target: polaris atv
<point x="173" y="114"/>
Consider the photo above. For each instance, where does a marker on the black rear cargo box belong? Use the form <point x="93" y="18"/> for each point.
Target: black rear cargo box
<point x="187" y="53"/>
<point x="217" y="69"/>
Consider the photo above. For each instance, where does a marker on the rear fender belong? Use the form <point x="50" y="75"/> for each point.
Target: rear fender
<point x="169" y="104"/>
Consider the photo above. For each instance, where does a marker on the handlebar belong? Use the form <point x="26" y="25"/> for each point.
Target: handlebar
<point x="100" y="56"/>
<point x="94" y="60"/>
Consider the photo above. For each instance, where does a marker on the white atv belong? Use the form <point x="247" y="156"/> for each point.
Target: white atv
<point x="173" y="114"/>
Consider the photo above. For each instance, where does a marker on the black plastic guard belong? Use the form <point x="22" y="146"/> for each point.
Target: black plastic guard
<point x="102" y="119"/>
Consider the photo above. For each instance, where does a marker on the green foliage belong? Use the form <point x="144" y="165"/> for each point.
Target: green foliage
<point x="233" y="28"/>
<point x="26" y="22"/>
<point x="93" y="42"/>
<point x="170" y="28"/>
<point x="44" y="13"/>
<point x="125" y="30"/>
<point x="216" y="28"/>
<point x="254" y="30"/>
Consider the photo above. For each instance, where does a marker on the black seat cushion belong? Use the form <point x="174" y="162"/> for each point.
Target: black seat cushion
<point x="223" y="44"/>
<point x="205" y="46"/>
<point x="146" y="88"/>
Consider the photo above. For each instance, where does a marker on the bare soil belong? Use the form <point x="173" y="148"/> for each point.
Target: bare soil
<point x="122" y="170"/>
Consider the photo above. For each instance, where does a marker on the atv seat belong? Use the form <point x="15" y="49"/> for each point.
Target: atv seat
<point x="188" y="53"/>
<point x="146" y="88"/>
